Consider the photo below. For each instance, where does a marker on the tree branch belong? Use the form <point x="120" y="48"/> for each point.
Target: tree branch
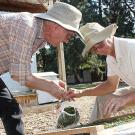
<point x="129" y="7"/>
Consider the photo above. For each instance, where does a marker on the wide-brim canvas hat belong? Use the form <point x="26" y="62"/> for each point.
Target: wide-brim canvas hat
<point x="65" y="15"/>
<point x="94" y="33"/>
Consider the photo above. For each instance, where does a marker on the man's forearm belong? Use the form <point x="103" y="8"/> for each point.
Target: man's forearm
<point x="38" y="83"/>
<point x="35" y="82"/>
<point x="100" y="90"/>
<point x="49" y="86"/>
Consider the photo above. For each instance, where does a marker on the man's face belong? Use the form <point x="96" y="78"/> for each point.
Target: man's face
<point x="58" y="34"/>
<point x="102" y="48"/>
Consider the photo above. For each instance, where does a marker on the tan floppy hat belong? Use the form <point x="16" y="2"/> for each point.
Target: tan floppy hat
<point x="94" y="33"/>
<point x="65" y="15"/>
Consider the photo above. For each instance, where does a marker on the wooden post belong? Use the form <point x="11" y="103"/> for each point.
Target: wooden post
<point x="61" y="63"/>
<point x="61" y="60"/>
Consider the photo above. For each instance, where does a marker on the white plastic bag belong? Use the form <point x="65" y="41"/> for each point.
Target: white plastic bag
<point x="69" y="116"/>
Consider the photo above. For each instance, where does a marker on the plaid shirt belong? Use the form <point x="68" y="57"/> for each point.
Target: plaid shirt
<point x="21" y="35"/>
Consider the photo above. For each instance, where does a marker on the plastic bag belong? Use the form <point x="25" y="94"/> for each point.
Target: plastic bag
<point x="69" y="116"/>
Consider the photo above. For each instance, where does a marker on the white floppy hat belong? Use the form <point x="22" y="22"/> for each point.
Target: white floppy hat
<point x="65" y="15"/>
<point x="94" y="33"/>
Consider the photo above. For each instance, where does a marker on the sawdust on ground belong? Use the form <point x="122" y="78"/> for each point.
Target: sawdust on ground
<point x="42" y="121"/>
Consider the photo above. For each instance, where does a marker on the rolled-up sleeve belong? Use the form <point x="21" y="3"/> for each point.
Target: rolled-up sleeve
<point x="22" y="35"/>
<point x="20" y="70"/>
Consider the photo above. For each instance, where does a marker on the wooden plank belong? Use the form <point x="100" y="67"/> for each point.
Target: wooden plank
<point x="21" y="7"/>
<point x="124" y="129"/>
<point x="93" y="130"/>
<point x="106" y="120"/>
<point x="27" y="100"/>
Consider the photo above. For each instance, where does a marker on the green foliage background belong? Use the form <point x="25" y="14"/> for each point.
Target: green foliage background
<point x="104" y="12"/>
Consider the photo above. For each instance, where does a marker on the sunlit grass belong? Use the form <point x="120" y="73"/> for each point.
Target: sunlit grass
<point x="83" y="86"/>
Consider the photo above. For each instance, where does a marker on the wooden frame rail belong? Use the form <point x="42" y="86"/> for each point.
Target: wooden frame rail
<point x="92" y="130"/>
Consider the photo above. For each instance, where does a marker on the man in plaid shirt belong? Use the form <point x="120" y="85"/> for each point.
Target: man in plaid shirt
<point x="21" y="35"/>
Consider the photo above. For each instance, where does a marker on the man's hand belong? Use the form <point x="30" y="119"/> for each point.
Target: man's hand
<point x="58" y="90"/>
<point x="113" y="104"/>
<point x="62" y="84"/>
<point x="73" y="93"/>
<point x="66" y="93"/>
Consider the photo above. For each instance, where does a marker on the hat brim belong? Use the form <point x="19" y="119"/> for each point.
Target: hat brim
<point x="102" y="35"/>
<point x="66" y="26"/>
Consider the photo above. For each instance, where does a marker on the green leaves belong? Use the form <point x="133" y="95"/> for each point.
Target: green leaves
<point x="68" y="117"/>
<point x="104" y="12"/>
